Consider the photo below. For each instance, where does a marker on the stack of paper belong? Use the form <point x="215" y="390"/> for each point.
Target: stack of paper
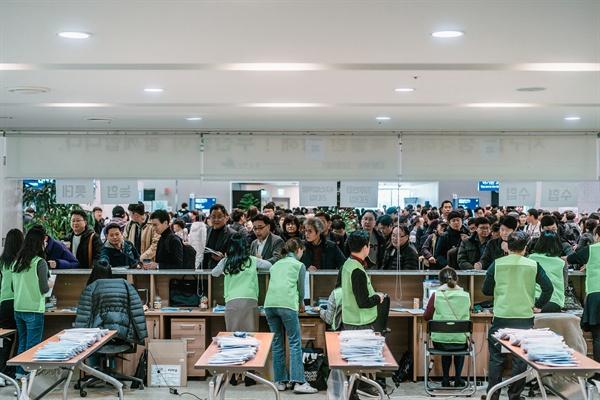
<point x="70" y="343"/>
<point x="362" y="347"/>
<point x="541" y="345"/>
<point x="234" y="350"/>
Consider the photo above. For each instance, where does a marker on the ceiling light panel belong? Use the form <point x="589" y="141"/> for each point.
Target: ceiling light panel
<point x="74" y="35"/>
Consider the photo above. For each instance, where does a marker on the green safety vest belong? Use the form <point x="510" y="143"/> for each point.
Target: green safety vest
<point x="553" y="266"/>
<point x="461" y="303"/>
<point x="592" y="270"/>
<point x="514" y="293"/>
<point x="6" y="292"/>
<point x="283" y="284"/>
<point x="244" y="284"/>
<point x="351" y="313"/>
<point x="28" y="297"/>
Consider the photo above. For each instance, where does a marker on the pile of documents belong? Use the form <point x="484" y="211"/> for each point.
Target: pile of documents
<point x="362" y="347"/>
<point x="70" y="343"/>
<point x="234" y="350"/>
<point x="541" y="345"/>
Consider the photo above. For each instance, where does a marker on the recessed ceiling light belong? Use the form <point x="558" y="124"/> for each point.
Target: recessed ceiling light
<point x="404" y="89"/>
<point x="194" y="118"/>
<point x="447" y="34"/>
<point x="572" y="118"/>
<point x="28" y="89"/>
<point x="383" y="118"/>
<point x="531" y="89"/>
<point x="153" y="90"/>
<point x="75" y="35"/>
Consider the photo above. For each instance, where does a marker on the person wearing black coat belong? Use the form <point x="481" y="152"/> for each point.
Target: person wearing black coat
<point x="498" y="247"/>
<point x="455" y="233"/>
<point x="320" y="253"/>
<point x="409" y="259"/>
<point x="78" y="240"/>
<point x="471" y="249"/>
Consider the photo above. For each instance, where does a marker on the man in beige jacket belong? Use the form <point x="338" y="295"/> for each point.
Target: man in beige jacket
<point x="140" y="232"/>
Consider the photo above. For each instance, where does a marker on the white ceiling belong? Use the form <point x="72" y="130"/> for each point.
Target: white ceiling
<point x="327" y="65"/>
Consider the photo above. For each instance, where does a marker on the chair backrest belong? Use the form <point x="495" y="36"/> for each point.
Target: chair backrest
<point x="451" y="326"/>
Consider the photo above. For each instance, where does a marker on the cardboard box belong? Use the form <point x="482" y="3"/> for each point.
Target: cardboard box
<point x="167" y="364"/>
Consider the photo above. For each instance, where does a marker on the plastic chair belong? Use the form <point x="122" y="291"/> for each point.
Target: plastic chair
<point x="460" y="326"/>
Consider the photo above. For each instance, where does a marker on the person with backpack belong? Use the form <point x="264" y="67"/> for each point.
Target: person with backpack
<point x="449" y="302"/>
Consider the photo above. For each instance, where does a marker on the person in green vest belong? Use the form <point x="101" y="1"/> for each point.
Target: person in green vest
<point x="512" y="280"/>
<point x="547" y="252"/>
<point x="30" y="282"/>
<point x="12" y="245"/>
<point x="284" y="299"/>
<point x="449" y="302"/>
<point x="590" y="320"/>
<point x="359" y="299"/>
<point x="240" y="285"/>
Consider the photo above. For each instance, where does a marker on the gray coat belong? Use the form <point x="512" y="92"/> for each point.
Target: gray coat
<point x="113" y="304"/>
<point x="270" y="252"/>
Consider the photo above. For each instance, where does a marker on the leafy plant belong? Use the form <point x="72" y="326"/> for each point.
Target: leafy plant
<point x="247" y="201"/>
<point x="54" y="217"/>
<point x="350" y="216"/>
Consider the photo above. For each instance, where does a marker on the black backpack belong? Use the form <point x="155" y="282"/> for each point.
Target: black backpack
<point x="189" y="255"/>
<point x="405" y="367"/>
<point x="141" y="370"/>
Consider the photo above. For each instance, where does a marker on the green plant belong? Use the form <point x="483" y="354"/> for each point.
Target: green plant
<point x="350" y="216"/>
<point x="247" y="201"/>
<point x="54" y="217"/>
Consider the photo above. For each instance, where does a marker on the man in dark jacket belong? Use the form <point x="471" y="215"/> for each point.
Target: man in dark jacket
<point x="82" y="239"/>
<point x="169" y="251"/>
<point x="498" y="247"/>
<point x="217" y="236"/>
<point x="455" y="233"/>
<point x="401" y="246"/>
<point x="472" y="248"/>
<point x="320" y="253"/>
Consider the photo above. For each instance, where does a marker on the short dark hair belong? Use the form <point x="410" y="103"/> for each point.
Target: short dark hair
<point x="338" y="224"/>
<point x="509" y="221"/>
<point x="263" y="218"/>
<point x="179" y="222"/>
<point x="547" y="220"/>
<point x="137" y="208"/>
<point x="471" y="221"/>
<point x="591" y="224"/>
<point x="96" y="209"/>
<point x="324" y="215"/>
<point x="218" y="207"/>
<point x="385" y="220"/>
<point x="101" y="270"/>
<point x="570" y="216"/>
<point x="481" y="221"/>
<point x="161" y="215"/>
<point x="479" y="208"/>
<point x="391" y="210"/>
<point x="269" y="206"/>
<point x="444" y="202"/>
<point x="431" y="215"/>
<point x="291" y="219"/>
<point x="236" y="215"/>
<point x="81" y="213"/>
<point x="357" y="240"/>
<point x="112" y="225"/>
<point x="184" y="205"/>
<point x="533" y="212"/>
<point x="517" y="241"/>
<point x="454" y="214"/>
<point x="405" y="229"/>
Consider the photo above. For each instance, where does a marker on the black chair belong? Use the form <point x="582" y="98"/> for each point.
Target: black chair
<point x="112" y="304"/>
<point x="462" y="327"/>
<point x="107" y="355"/>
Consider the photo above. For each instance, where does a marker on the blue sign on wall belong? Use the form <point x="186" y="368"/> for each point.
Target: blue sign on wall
<point x="203" y="203"/>
<point x="470" y="202"/>
<point x="489" y="186"/>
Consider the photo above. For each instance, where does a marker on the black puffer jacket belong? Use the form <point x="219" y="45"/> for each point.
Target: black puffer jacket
<point x="113" y="304"/>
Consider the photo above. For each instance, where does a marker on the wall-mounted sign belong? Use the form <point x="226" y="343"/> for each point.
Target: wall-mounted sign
<point x="488" y="186"/>
<point x="559" y="194"/>
<point x="74" y="191"/>
<point x="119" y="191"/>
<point x="318" y="193"/>
<point x="517" y="194"/>
<point x="359" y="194"/>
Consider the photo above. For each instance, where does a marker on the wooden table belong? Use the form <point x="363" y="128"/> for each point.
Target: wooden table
<point x="221" y="373"/>
<point x="586" y="368"/>
<point x="3" y="334"/>
<point x="354" y="372"/>
<point x="27" y="361"/>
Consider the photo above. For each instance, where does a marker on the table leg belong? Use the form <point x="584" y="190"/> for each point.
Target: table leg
<point x="508" y="382"/>
<point x="540" y="384"/>
<point x="67" y="381"/>
<point x="375" y="385"/>
<point x="106" y="378"/>
<point x="12" y="382"/>
<point x="266" y="382"/>
<point x="216" y="386"/>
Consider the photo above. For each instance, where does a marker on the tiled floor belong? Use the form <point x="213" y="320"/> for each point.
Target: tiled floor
<point x="199" y="389"/>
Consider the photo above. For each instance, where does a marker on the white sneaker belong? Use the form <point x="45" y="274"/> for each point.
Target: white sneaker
<point x="281" y="386"/>
<point x="2" y="382"/>
<point x="304" y="388"/>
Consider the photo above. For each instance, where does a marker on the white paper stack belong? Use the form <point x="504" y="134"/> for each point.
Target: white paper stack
<point x="362" y="347"/>
<point x="541" y="345"/>
<point x="234" y="350"/>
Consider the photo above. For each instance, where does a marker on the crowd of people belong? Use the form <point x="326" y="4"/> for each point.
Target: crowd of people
<point x="526" y="256"/>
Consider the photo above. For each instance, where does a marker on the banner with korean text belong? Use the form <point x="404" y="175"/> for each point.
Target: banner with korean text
<point x="359" y="194"/>
<point x="119" y="191"/>
<point x="71" y="191"/>
<point x="318" y="193"/>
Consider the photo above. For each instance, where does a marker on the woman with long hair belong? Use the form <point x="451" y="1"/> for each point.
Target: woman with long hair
<point x="30" y="282"/>
<point x="240" y="285"/>
<point x="368" y="221"/>
<point x="547" y="252"/>
<point x="284" y="299"/>
<point x="12" y="245"/>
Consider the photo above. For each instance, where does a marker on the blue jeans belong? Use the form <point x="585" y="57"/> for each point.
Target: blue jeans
<point x="282" y="320"/>
<point x="30" y="327"/>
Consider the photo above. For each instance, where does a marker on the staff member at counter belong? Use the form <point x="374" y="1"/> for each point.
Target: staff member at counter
<point x="511" y="280"/>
